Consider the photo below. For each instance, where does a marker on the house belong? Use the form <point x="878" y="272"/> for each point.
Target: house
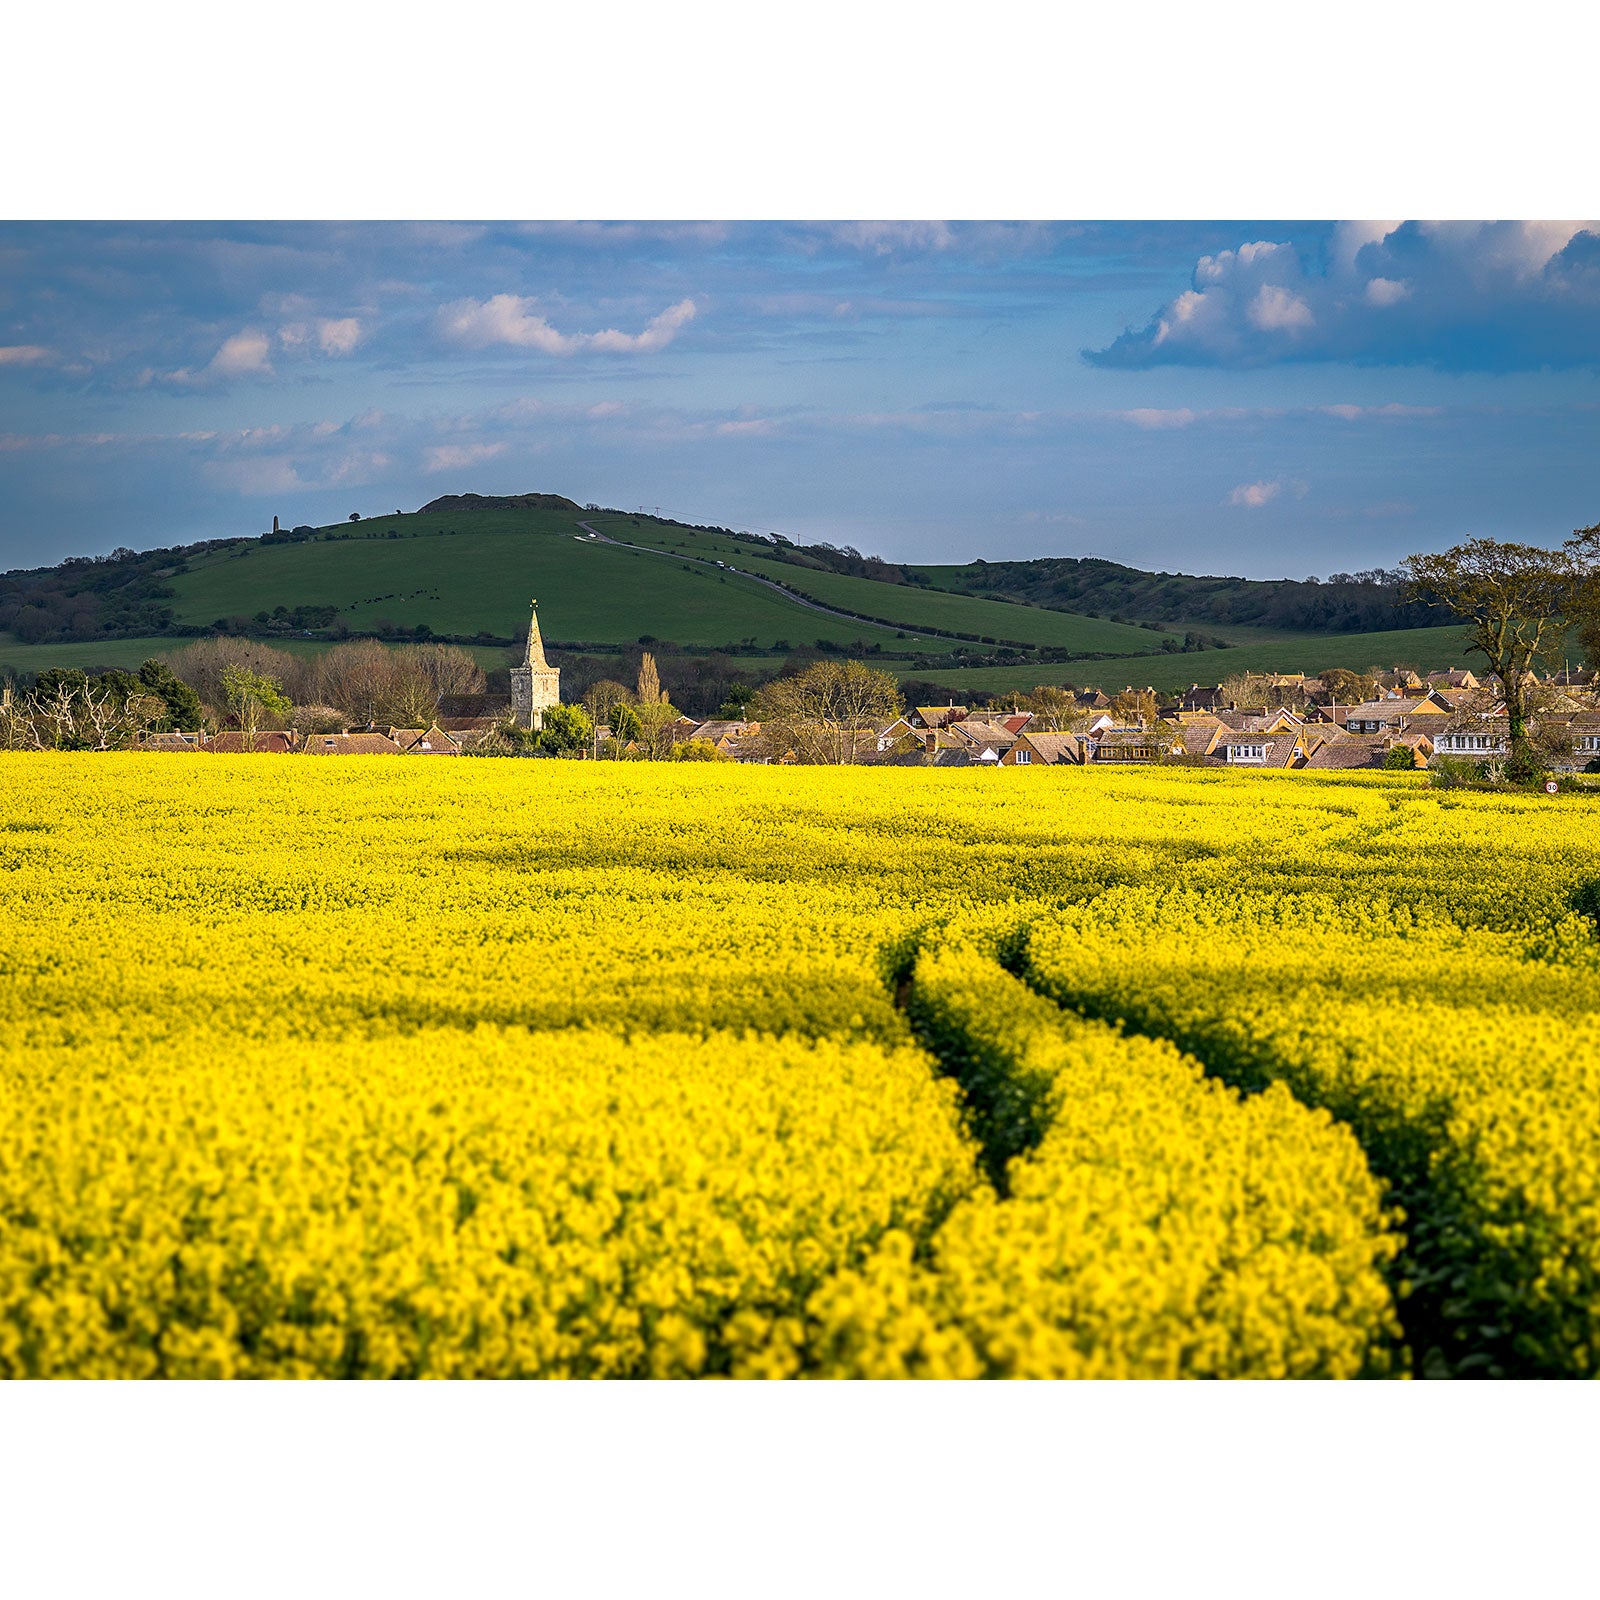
<point x="177" y="743"/>
<point x="349" y="744"/>
<point x="1044" y="750"/>
<point x="1134" y="745"/>
<point x="430" y="741"/>
<point x="1200" y="738"/>
<point x="1197" y="699"/>
<point x="1246" y="748"/>
<point x="1342" y="752"/>
<point x="1393" y="715"/>
<point x="1455" y="678"/>
<point x="937" y="716"/>
<point x="278" y="742"/>
<point x="1484" y="739"/>
<point x="986" y="740"/>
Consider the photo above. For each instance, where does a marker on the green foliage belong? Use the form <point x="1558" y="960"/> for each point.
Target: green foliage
<point x="696" y="750"/>
<point x="567" y="731"/>
<point x="1401" y="758"/>
<point x="625" y="723"/>
<point x="183" y="704"/>
<point x="253" y="698"/>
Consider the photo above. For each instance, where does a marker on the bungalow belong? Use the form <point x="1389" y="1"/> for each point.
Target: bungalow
<point x="1343" y="752"/>
<point x="986" y="740"/>
<point x="1245" y="748"/>
<point x="193" y="743"/>
<point x="938" y="716"/>
<point x="1392" y="716"/>
<point x="1044" y="750"/>
<point x="430" y="741"/>
<point x="1135" y="745"/>
<point x="278" y="742"/>
<point x="349" y="744"/>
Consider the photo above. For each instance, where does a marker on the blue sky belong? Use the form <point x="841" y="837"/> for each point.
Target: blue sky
<point x="1273" y="399"/>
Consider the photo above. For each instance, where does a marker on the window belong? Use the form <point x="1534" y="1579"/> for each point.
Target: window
<point x="1024" y="758"/>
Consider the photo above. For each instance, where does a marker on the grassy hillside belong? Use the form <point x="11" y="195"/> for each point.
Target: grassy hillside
<point x="1426" y="649"/>
<point x="472" y="572"/>
<point x="911" y="607"/>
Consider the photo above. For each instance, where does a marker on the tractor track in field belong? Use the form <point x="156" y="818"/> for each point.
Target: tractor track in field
<point x="739" y="572"/>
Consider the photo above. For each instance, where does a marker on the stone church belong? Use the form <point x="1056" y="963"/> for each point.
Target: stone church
<point x="535" y="685"/>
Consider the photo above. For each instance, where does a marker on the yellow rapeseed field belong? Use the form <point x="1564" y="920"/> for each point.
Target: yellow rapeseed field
<point x="390" y="1067"/>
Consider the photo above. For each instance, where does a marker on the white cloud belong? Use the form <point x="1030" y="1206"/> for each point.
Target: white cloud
<point x="510" y="319"/>
<point x="1386" y="291"/>
<point x="244" y="355"/>
<point x="1391" y="412"/>
<point x="1255" y="494"/>
<point x="1458" y="295"/>
<point x="1154" y="417"/>
<point x="23" y="355"/>
<point x="333" y="336"/>
<point x="883" y="238"/>
<point x="449" y="457"/>
<point x="1275" y="309"/>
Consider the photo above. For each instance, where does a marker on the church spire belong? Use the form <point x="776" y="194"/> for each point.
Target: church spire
<point x="535" y="652"/>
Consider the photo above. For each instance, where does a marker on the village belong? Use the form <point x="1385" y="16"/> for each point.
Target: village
<point x="1270" y="721"/>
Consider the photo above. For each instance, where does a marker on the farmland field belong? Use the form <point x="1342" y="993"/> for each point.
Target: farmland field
<point x="394" y="1068"/>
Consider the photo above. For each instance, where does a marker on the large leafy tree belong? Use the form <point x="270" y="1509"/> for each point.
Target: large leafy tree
<point x="183" y="708"/>
<point x="567" y="731"/>
<point x="1518" y="601"/>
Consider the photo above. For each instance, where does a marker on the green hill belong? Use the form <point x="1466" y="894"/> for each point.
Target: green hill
<point x="470" y="572"/>
<point x="473" y="572"/>
<point x="465" y="567"/>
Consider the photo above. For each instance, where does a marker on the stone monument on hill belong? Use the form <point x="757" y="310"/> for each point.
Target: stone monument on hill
<point x="535" y="685"/>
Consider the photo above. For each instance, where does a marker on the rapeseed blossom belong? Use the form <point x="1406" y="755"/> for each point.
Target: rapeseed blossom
<point x="524" y="1068"/>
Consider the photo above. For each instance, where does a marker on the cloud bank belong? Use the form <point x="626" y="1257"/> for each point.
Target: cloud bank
<point x="1468" y="296"/>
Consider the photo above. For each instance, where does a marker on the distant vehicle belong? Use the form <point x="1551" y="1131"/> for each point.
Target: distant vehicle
<point x="722" y="564"/>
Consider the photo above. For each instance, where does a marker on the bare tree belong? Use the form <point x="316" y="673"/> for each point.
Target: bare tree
<point x="824" y="713"/>
<point x="449" y="668"/>
<point x="360" y="678"/>
<point x="601" y="698"/>
<point x="1135" y="705"/>
<point x="1247" y="690"/>
<point x="72" y="712"/>
<point x="202" y="664"/>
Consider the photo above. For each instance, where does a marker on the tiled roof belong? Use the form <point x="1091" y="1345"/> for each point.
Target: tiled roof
<point x="350" y="744"/>
<point x="274" y="743"/>
<point x="1345" y="751"/>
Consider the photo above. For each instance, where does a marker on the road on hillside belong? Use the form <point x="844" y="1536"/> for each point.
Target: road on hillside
<point x="754" y="577"/>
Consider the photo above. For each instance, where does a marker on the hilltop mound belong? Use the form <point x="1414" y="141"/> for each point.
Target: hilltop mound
<point x="500" y="502"/>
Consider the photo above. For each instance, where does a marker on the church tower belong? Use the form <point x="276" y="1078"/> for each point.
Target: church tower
<point x="535" y="685"/>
